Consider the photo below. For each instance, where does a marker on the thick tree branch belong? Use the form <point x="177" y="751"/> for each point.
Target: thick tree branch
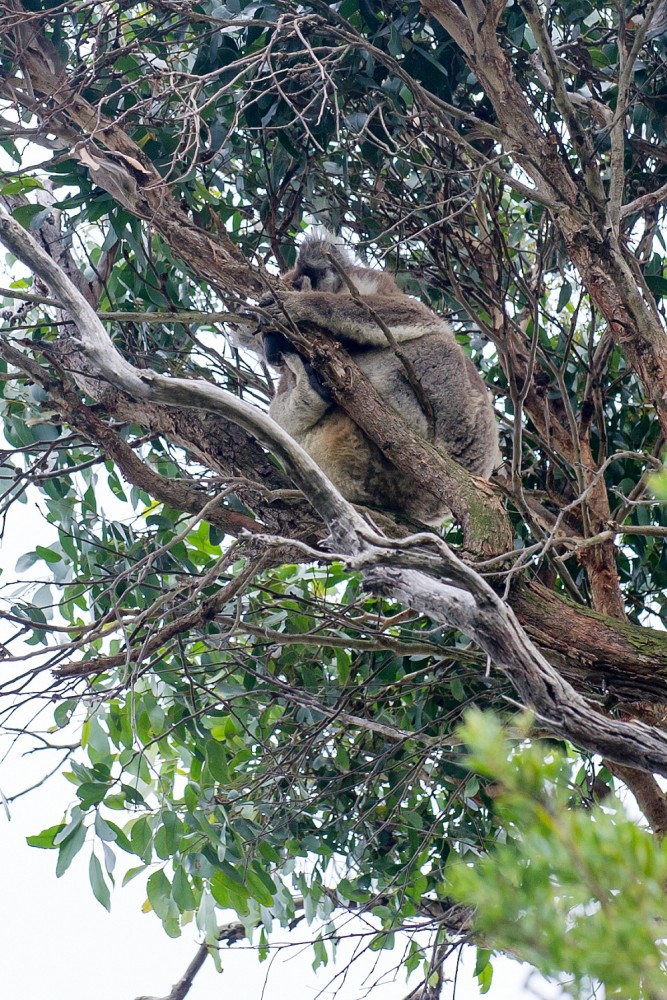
<point x="466" y="601"/>
<point x="422" y="571"/>
<point x="606" y="658"/>
<point x="650" y="797"/>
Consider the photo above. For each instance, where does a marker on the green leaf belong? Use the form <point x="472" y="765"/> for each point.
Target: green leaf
<point x="173" y="831"/>
<point x="21" y="185"/>
<point x="46" y="839"/>
<point x="25" y="561"/>
<point x="158" y="889"/>
<point x="228" y="890"/>
<point x="103" y="830"/>
<point x="564" y="296"/>
<point x="260" y="885"/>
<point x="182" y="892"/>
<point x="64" y="711"/>
<point x="119" y="836"/>
<point x="482" y="959"/>
<point x="98" y="883"/>
<point x="382" y="942"/>
<point x="217" y="761"/>
<point x="133" y="796"/>
<point x="132" y="873"/>
<point x="321" y="956"/>
<point x="91" y="793"/>
<point x="141" y="836"/>
<point x="69" y="849"/>
<point x="485" y="978"/>
<point x="657" y="284"/>
<point x="48" y="555"/>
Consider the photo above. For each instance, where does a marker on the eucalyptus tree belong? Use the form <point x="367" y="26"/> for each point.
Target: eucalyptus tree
<point x="265" y="684"/>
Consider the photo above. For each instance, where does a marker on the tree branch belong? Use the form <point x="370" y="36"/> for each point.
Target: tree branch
<point x="616" y="286"/>
<point x="180" y="494"/>
<point x="466" y="601"/>
<point x="580" y="139"/>
<point x="411" y="571"/>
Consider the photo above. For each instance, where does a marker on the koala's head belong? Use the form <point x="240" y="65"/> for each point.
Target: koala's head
<point x="313" y="270"/>
<point x="319" y="263"/>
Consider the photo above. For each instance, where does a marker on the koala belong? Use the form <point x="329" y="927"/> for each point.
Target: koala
<point x="465" y="425"/>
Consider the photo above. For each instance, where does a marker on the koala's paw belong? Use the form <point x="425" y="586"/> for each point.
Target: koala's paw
<point x="245" y="334"/>
<point x="281" y="306"/>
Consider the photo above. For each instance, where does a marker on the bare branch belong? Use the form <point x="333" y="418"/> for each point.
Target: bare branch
<point x="582" y="143"/>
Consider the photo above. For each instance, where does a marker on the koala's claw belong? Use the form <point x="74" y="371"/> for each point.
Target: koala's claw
<point x="274" y="306"/>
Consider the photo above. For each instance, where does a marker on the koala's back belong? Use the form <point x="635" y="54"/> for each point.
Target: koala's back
<point x="362" y="473"/>
<point x="465" y="425"/>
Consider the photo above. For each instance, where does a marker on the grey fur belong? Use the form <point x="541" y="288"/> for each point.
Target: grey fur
<point x="465" y="424"/>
